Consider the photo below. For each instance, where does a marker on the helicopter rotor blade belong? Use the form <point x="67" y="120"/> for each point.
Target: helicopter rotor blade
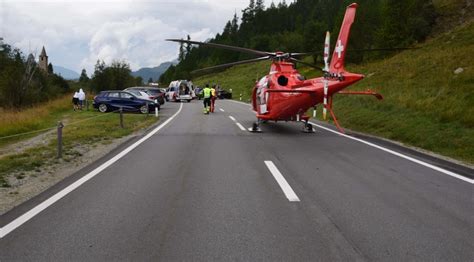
<point x="232" y="64"/>
<point x="361" y="50"/>
<point x="300" y="54"/>
<point x="221" y="46"/>
<point x="382" y="49"/>
<point x="306" y="64"/>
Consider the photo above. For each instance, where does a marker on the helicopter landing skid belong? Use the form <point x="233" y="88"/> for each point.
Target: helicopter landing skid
<point x="255" y="127"/>
<point x="308" y="128"/>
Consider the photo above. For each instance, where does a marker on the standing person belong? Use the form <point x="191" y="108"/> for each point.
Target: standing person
<point x="82" y="97"/>
<point x="213" y="97"/>
<point x="75" y="100"/>
<point x="207" y="98"/>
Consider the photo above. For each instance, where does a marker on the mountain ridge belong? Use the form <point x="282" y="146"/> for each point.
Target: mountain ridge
<point x="66" y="73"/>
<point x="152" y="72"/>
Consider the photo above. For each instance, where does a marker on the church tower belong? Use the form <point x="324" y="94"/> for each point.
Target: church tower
<point x="43" y="61"/>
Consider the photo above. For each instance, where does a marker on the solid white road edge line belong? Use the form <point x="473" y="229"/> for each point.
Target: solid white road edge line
<point x="45" y="204"/>
<point x="233" y="119"/>
<point x="439" y="169"/>
<point x="442" y="170"/>
<point x="289" y="193"/>
<point x="222" y="110"/>
<point x="240" y="126"/>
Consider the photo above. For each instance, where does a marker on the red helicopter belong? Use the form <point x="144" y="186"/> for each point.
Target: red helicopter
<point x="284" y="95"/>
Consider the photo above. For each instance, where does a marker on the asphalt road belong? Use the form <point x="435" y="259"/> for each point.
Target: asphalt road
<point x="199" y="189"/>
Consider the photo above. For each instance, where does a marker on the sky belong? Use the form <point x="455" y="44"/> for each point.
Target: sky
<point x="77" y="33"/>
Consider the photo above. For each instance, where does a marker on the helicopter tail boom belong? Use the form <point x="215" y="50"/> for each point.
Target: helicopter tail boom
<point x="337" y="61"/>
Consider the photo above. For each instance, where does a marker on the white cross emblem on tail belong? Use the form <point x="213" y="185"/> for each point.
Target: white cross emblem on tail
<point x="339" y="48"/>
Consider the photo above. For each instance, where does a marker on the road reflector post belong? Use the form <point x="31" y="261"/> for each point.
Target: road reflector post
<point x="60" y="139"/>
<point x="314" y="112"/>
<point x="156" y="107"/>
<point x="240" y="96"/>
<point x="121" y="117"/>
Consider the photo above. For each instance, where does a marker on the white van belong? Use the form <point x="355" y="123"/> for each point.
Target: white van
<point x="180" y="90"/>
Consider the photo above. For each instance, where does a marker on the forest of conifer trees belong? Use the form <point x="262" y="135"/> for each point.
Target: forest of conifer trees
<point x="301" y="26"/>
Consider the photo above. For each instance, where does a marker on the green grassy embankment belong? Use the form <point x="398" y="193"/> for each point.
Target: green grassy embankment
<point x="425" y="103"/>
<point x="83" y="129"/>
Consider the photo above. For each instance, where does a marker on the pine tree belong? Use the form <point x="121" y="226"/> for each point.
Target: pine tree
<point x="227" y="30"/>
<point x="188" y="46"/>
<point x="234" y="25"/>
<point x="248" y="13"/>
<point x="259" y="6"/>
<point x="83" y="78"/>
<point x="99" y="67"/>
<point x="272" y="5"/>
<point x="393" y="30"/>
<point x="100" y="79"/>
<point x="181" y="54"/>
<point x="150" y="80"/>
<point x="282" y="4"/>
<point x="50" y="68"/>
<point x="234" y="30"/>
<point x="138" y="81"/>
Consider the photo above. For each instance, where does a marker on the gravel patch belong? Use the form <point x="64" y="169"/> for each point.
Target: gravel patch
<point x="26" y="185"/>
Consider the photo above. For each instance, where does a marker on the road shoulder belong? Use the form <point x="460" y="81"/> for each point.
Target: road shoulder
<point x="17" y="200"/>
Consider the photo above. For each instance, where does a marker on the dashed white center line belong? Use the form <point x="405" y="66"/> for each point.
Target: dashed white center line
<point x="222" y="110"/>
<point x="237" y="123"/>
<point x="241" y="126"/>
<point x="289" y="193"/>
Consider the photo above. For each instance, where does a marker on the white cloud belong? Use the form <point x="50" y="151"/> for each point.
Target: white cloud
<point x="134" y="40"/>
<point x="77" y="33"/>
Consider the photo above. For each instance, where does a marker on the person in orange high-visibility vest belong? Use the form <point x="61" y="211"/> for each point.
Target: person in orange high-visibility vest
<point x="213" y="97"/>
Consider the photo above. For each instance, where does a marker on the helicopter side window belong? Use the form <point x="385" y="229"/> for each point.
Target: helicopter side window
<point x="300" y="77"/>
<point x="282" y="80"/>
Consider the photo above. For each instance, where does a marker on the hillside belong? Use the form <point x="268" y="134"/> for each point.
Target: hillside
<point x="426" y="104"/>
<point x="452" y="13"/>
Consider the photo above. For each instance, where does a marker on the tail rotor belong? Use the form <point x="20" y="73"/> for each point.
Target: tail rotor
<point x="326" y="70"/>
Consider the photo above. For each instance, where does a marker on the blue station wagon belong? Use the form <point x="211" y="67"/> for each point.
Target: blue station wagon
<point x="115" y="99"/>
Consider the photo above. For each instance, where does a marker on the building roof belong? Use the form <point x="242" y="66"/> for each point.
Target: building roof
<point x="43" y="52"/>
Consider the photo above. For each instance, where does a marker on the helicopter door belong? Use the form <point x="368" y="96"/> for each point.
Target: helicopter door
<point x="262" y="96"/>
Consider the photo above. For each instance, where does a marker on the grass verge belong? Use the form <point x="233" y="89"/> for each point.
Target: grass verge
<point x="82" y="129"/>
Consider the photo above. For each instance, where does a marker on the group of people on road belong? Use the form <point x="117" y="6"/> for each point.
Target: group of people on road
<point x="78" y="100"/>
<point x="209" y="96"/>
